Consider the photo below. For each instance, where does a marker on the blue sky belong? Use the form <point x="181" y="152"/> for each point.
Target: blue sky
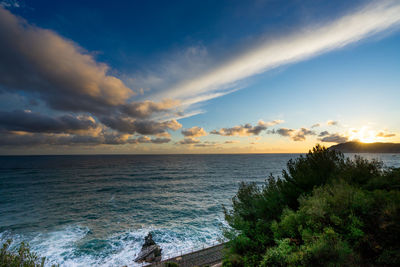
<point x="197" y="76"/>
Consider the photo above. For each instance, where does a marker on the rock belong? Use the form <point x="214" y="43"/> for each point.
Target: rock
<point x="148" y="241"/>
<point x="150" y="251"/>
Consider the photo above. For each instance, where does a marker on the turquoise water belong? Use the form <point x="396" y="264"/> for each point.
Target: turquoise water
<point x="96" y="210"/>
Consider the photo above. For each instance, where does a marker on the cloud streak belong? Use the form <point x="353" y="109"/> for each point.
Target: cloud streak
<point x="309" y="42"/>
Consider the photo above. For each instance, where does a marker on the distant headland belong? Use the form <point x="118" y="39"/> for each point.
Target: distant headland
<point x="358" y="147"/>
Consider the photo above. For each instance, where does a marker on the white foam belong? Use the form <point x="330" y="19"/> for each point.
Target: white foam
<point x="61" y="246"/>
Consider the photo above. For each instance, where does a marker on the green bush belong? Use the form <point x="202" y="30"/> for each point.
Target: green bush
<point x="171" y="264"/>
<point x="325" y="210"/>
<point x="19" y="257"/>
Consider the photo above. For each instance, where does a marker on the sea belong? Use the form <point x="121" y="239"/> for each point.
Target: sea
<point x="95" y="210"/>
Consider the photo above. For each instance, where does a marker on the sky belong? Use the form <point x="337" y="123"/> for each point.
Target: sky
<point x="154" y="77"/>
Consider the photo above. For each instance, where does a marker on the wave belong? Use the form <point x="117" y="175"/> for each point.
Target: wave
<point x="78" y="246"/>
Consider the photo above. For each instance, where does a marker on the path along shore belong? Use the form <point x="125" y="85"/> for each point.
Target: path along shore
<point x="211" y="256"/>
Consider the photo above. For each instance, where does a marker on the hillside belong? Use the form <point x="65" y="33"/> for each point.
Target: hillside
<point x="358" y="147"/>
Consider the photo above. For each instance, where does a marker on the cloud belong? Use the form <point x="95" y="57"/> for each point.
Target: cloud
<point x="10" y="4"/>
<point x="183" y="63"/>
<point x="247" y="129"/>
<point x="40" y="64"/>
<point x="28" y="121"/>
<point x="147" y="108"/>
<point x="189" y="141"/>
<point x="315" y="125"/>
<point x="128" y="125"/>
<point x="194" y="132"/>
<point x="160" y="140"/>
<point x="332" y="138"/>
<point x="62" y="73"/>
<point x="332" y="123"/>
<point x="385" y="135"/>
<point x="324" y="133"/>
<point x="300" y="135"/>
<point x="232" y="142"/>
<point x="146" y="139"/>
<point x="207" y="144"/>
<point x="14" y="139"/>
<point x="22" y="139"/>
<point x="8" y="139"/>
<point x="300" y="45"/>
<point x="283" y="131"/>
<point x="295" y="135"/>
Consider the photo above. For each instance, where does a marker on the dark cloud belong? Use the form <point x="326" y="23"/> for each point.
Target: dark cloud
<point x="146" y="139"/>
<point x="194" y="132"/>
<point x="44" y="66"/>
<point x="295" y="135"/>
<point x="147" y="108"/>
<point x="246" y="130"/>
<point x="283" y="131"/>
<point x="334" y="138"/>
<point x="13" y="139"/>
<point x="34" y="122"/>
<point x="300" y="135"/>
<point x="127" y="125"/>
<point x="61" y="72"/>
<point x="160" y="140"/>
<point x="64" y="75"/>
<point x="324" y="133"/>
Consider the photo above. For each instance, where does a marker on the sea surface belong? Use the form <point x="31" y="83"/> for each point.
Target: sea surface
<point x="96" y="210"/>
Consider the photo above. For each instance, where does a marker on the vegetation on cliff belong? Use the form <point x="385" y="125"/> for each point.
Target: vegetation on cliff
<point x="325" y="210"/>
<point x="19" y="256"/>
<point x="359" y="147"/>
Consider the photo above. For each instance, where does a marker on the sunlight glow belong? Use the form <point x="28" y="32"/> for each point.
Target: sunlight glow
<point x="364" y="135"/>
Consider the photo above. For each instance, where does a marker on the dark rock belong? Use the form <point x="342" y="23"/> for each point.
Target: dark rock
<point x="148" y="241"/>
<point x="150" y="251"/>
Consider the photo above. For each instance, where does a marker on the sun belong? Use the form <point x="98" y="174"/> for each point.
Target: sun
<point x="364" y="135"/>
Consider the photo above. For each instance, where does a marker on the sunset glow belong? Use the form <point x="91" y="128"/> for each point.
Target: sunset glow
<point x="199" y="133"/>
<point x="243" y="79"/>
<point x="363" y="135"/>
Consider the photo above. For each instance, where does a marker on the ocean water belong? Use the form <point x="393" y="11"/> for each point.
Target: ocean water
<point x="96" y="210"/>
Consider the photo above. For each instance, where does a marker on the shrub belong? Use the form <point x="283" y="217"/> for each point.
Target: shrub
<point x="171" y="264"/>
<point x="325" y="210"/>
<point x="19" y="257"/>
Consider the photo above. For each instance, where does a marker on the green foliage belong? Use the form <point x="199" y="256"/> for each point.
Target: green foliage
<point x="171" y="264"/>
<point x="20" y="257"/>
<point x="233" y="260"/>
<point x="325" y="210"/>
